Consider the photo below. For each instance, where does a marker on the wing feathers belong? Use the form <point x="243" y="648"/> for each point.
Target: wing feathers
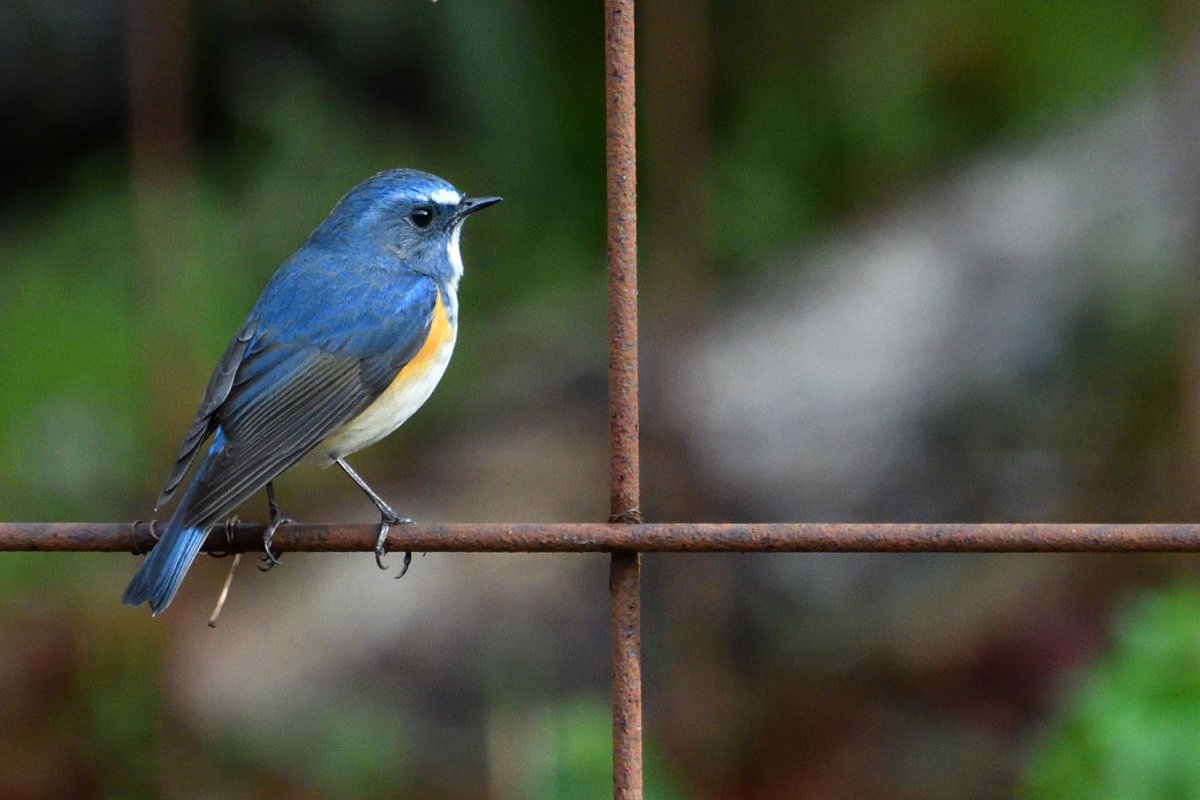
<point x="219" y="386"/>
<point x="269" y="437"/>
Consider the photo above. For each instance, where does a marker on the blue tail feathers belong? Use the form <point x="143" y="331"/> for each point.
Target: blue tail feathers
<point x="158" y="578"/>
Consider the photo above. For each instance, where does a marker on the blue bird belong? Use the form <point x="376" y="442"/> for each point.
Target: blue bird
<point x="347" y="340"/>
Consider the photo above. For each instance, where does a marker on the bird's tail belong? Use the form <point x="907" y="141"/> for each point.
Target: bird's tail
<point x="158" y="578"/>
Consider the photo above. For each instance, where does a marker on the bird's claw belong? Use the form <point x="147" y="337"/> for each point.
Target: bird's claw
<point x="385" y="523"/>
<point x="228" y="527"/>
<point x="138" y="551"/>
<point x="269" y="559"/>
<point x="387" y="518"/>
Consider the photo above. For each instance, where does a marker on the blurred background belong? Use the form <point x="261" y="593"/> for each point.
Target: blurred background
<point x="901" y="261"/>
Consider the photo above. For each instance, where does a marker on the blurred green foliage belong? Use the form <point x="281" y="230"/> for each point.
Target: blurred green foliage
<point x="66" y="343"/>
<point x="581" y="756"/>
<point x="829" y="109"/>
<point x="1132" y="727"/>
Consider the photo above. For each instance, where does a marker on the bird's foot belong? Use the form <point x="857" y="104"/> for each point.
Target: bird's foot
<point x="227" y="527"/>
<point x="154" y="535"/>
<point x="388" y="518"/>
<point x="269" y="559"/>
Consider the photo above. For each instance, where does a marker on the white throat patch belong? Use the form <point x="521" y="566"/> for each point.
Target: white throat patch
<point x="456" y="267"/>
<point x="453" y="253"/>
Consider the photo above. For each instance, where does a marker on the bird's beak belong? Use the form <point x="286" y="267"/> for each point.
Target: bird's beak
<point x="470" y="205"/>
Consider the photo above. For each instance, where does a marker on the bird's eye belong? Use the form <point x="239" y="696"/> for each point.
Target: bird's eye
<point x="421" y="216"/>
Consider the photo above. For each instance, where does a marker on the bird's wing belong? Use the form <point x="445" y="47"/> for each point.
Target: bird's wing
<point x="214" y="395"/>
<point x="288" y="389"/>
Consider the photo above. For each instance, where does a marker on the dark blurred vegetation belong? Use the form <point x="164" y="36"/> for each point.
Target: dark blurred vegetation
<point x="128" y="257"/>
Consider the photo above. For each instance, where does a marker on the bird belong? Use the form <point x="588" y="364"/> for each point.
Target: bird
<point x="347" y="340"/>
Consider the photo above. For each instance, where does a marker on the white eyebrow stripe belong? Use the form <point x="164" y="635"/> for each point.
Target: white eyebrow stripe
<point x="445" y="197"/>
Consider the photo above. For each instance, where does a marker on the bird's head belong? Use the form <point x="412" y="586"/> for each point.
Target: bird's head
<point x="414" y="215"/>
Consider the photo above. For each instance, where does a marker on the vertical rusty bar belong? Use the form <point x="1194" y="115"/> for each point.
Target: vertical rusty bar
<point x="625" y="578"/>
<point x="622" y="264"/>
<point x="625" y="500"/>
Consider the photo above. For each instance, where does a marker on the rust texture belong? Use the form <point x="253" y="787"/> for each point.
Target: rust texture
<point x="622" y="263"/>
<point x="625" y="590"/>
<point x="625" y="489"/>
<point x="801" y="537"/>
<point x="599" y="537"/>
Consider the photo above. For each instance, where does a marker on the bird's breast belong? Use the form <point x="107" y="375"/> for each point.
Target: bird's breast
<point x="407" y="392"/>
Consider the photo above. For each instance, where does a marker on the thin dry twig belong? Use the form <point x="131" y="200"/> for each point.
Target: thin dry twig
<point x="212" y="621"/>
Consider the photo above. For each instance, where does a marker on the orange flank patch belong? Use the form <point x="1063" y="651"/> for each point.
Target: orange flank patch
<point x="402" y="398"/>
<point x="439" y="334"/>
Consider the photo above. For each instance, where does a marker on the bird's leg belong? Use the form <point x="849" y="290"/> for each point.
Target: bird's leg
<point x="387" y="518"/>
<point x="269" y="559"/>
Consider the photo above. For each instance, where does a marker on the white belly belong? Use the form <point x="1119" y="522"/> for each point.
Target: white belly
<point x="397" y="403"/>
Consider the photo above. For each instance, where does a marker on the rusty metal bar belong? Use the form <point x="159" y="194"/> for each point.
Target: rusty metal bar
<point x="625" y="499"/>
<point x="625" y="490"/>
<point x="599" y="537"/>
<point x="625" y="577"/>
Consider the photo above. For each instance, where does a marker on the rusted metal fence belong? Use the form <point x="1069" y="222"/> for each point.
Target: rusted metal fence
<point x="624" y="535"/>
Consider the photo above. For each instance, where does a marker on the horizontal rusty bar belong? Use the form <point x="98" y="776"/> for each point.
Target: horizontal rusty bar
<point x="657" y="537"/>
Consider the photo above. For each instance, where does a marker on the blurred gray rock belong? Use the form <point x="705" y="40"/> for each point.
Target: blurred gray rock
<point x="811" y="398"/>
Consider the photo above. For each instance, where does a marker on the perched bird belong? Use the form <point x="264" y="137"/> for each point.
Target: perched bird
<point x="347" y="340"/>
